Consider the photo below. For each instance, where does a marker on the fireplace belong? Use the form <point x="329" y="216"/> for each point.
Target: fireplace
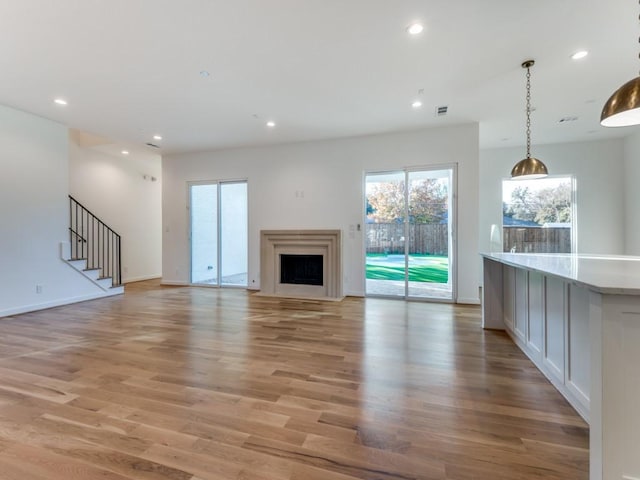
<point x="301" y="269"/>
<point x="301" y="263"/>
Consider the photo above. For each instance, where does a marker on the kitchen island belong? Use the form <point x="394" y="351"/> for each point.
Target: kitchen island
<point x="577" y="317"/>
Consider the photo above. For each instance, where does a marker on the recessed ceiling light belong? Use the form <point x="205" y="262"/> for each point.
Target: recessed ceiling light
<point x="271" y="124"/>
<point x="125" y="152"/>
<point x="60" y="101"/>
<point x="580" y="54"/>
<point x="415" y="28"/>
<point x="157" y="137"/>
<point x="416" y="104"/>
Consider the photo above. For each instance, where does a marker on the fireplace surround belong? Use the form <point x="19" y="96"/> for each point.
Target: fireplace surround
<point x="307" y="243"/>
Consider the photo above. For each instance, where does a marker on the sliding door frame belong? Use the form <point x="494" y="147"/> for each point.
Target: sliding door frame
<point x="219" y="184"/>
<point x="453" y="230"/>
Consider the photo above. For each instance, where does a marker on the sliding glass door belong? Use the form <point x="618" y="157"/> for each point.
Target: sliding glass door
<point x="410" y="233"/>
<point x="218" y="233"/>
<point x="233" y="234"/>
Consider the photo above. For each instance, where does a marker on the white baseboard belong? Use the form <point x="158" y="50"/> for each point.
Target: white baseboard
<point x="355" y="294"/>
<point x="55" y="303"/>
<point x="468" y="301"/>
<point x="141" y="279"/>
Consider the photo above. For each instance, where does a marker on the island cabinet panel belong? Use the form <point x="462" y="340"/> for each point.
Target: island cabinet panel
<point x="536" y="316"/>
<point x="577" y="317"/>
<point x="620" y="422"/>
<point x="578" y="358"/>
<point x="509" y="296"/>
<point x="554" y="329"/>
<point x="521" y="307"/>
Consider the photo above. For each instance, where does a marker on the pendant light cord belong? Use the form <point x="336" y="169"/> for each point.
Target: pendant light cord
<point x="528" y="112"/>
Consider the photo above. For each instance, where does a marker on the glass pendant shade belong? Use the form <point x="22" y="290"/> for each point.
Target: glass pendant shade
<point x="529" y="169"/>
<point x="623" y="107"/>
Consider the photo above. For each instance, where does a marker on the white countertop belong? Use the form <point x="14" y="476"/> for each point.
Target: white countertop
<point x="609" y="274"/>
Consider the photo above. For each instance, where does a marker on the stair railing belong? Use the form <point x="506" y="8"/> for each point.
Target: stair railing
<point x="93" y="240"/>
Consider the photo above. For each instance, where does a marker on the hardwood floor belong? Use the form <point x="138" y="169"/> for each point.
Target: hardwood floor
<point x="197" y="383"/>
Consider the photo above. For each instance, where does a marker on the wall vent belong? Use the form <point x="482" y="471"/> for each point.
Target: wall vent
<point x="152" y="145"/>
<point x="567" y="119"/>
<point x="441" y="111"/>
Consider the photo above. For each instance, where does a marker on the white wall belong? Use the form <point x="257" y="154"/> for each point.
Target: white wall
<point x="114" y="189"/>
<point x="34" y="216"/>
<point x="328" y="177"/>
<point x="598" y="169"/>
<point x="632" y="194"/>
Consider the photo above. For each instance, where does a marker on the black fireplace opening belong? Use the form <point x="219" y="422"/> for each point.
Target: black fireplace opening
<point x="301" y="269"/>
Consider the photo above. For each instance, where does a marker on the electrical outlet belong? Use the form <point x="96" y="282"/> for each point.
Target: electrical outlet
<point x="38" y="288"/>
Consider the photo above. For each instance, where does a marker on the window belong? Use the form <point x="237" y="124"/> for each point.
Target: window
<point x="538" y="215"/>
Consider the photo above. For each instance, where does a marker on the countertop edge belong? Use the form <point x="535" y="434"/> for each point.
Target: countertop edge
<point x="574" y="281"/>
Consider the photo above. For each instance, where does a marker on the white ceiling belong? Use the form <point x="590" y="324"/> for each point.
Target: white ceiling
<point x="319" y="68"/>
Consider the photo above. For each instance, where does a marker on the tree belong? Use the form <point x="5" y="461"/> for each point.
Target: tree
<point x="547" y="205"/>
<point x="522" y="204"/>
<point x="428" y="201"/>
<point x="554" y="205"/>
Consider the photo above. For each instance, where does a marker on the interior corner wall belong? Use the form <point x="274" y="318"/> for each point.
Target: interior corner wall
<point x="315" y="185"/>
<point x="632" y="194"/>
<point x="598" y="170"/>
<point x="120" y="191"/>
<point x="34" y="171"/>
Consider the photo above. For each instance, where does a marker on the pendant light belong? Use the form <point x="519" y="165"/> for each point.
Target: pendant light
<point x="529" y="168"/>
<point x="623" y="107"/>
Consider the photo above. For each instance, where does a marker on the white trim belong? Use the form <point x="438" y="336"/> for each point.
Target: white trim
<point x="58" y="303"/>
<point x="469" y="301"/>
<point x="142" y="279"/>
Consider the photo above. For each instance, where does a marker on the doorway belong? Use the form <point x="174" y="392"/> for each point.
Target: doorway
<point x="410" y="233"/>
<point x="219" y="233"/>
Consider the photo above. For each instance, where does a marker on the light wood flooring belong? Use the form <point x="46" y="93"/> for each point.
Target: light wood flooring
<point x="200" y="383"/>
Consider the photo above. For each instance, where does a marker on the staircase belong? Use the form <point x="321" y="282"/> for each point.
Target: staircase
<point x="93" y="249"/>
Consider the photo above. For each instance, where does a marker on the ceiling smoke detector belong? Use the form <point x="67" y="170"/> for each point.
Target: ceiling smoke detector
<point x="441" y="111"/>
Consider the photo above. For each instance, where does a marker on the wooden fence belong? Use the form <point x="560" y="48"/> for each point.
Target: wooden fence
<point x="433" y="239"/>
<point x="536" y="240"/>
<point x="389" y="238"/>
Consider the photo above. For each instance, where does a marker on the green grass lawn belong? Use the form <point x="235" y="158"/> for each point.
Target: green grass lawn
<point x="437" y="271"/>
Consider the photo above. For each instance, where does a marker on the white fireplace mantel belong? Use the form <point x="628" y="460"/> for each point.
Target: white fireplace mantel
<point x="327" y="243"/>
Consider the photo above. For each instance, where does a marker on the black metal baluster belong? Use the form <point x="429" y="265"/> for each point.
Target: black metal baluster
<point x="101" y="246"/>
